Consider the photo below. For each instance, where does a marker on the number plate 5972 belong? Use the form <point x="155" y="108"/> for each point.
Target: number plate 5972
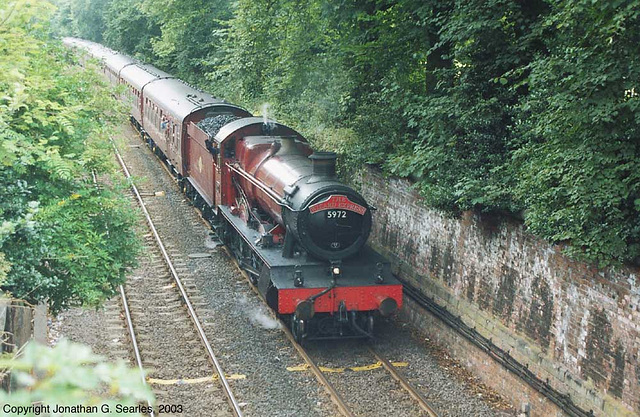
<point x="336" y="214"/>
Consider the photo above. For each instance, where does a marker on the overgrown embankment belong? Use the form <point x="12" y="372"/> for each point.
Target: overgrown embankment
<point x="62" y="238"/>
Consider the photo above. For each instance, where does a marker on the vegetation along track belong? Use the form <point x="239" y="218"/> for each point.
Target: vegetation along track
<point x="155" y="303"/>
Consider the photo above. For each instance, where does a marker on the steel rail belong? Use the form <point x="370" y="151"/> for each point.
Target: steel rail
<point x="127" y="314"/>
<point x="192" y="313"/>
<point x="333" y="394"/>
<point x="134" y="340"/>
<point x="422" y="402"/>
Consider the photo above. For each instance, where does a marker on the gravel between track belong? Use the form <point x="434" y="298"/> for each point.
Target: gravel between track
<point x="169" y="345"/>
<point x="367" y="392"/>
<point x="431" y="369"/>
<point x="248" y="342"/>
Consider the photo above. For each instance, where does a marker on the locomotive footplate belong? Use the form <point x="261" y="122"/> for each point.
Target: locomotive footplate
<point x="308" y="290"/>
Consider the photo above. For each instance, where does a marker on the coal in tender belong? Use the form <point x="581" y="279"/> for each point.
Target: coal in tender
<point x="212" y="125"/>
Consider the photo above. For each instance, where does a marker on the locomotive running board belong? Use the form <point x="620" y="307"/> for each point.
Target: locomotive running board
<point x="272" y="257"/>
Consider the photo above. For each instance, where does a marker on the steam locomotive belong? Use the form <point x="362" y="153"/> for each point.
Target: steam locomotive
<point x="298" y="232"/>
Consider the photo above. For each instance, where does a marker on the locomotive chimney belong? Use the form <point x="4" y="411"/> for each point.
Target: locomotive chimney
<point x="324" y="164"/>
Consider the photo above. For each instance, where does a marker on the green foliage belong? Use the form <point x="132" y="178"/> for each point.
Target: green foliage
<point x="129" y="30"/>
<point x="64" y="239"/>
<point x="81" y="18"/>
<point x="4" y="268"/>
<point x="70" y="374"/>
<point x="526" y="108"/>
<point x="578" y="150"/>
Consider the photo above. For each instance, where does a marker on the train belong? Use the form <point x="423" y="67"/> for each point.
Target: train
<point x="299" y="233"/>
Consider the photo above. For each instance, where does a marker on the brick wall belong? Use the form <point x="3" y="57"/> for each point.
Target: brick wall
<point x="574" y="324"/>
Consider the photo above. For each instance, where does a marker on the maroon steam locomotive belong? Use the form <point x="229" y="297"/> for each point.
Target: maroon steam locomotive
<point x="298" y="232"/>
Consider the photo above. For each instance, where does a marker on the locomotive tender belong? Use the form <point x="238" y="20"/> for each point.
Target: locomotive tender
<point x="299" y="232"/>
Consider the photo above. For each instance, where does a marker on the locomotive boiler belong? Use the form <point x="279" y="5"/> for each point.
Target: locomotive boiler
<point x="298" y="189"/>
<point x="277" y="205"/>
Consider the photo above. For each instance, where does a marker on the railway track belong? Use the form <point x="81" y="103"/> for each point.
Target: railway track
<point x="370" y="384"/>
<point x="154" y="308"/>
<point x="411" y="390"/>
<point x="363" y="381"/>
<point x="384" y="393"/>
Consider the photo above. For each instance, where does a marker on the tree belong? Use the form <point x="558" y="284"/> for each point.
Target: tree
<point x="190" y="31"/>
<point x="578" y="153"/>
<point x="130" y="30"/>
<point x="65" y="240"/>
<point x="89" y="18"/>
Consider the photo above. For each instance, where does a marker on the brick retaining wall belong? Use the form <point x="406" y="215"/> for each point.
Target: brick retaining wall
<point x="572" y="323"/>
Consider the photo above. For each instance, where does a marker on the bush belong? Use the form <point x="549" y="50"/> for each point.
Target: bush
<point x="65" y="240"/>
<point x="70" y="374"/>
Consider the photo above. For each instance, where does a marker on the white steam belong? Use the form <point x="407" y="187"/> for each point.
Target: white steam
<point x="211" y="242"/>
<point x="267" y="118"/>
<point x="257" y="314"/>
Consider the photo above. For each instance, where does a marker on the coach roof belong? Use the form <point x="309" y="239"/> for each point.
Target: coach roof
<point x="117" y="62"/>
<point x="178" y="98"/>
<point x="139" y="75"/>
